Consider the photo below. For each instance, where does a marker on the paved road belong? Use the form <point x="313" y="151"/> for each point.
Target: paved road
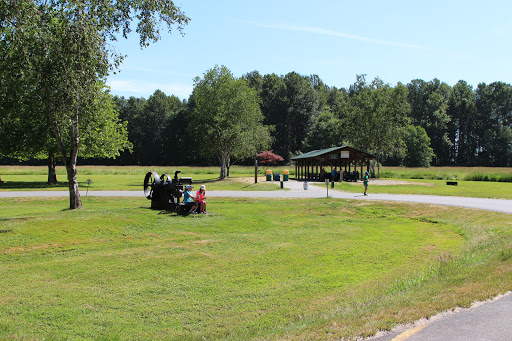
<point x="490" y="321"/>
<point x="295" y="190"/>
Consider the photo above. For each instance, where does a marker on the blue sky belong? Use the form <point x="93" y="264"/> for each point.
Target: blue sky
<point x="397" y="41"/>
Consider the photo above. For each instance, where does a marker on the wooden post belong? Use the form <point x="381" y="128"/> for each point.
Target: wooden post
<point x="255" y="170"/>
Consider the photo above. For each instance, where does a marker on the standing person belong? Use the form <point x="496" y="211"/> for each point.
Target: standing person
<point x="188" y="200"/>
<point x="365" y="182"/>
<point x="201" y="199"/>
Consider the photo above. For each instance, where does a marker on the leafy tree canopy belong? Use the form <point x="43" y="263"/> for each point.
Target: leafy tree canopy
<point x="268" y="157"/>
<point x="227" y="121"/>
<point x="59" y="55"/>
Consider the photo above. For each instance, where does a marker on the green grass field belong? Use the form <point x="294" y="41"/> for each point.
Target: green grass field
<point x="476" y="189"/>
<point x="129" y="178"/>
<point x="429" y="181"/>
<point x="297" y="269"/>
<point x="251" y="269"/>
<point x="497" y="174"/>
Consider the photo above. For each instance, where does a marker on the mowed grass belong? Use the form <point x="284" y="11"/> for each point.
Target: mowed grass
<point x="498" y="174"/>
<point x="252" y="269"/>
<point x="128" y="178"/>
<point x="476" y="189"/>
<point x="429" y="181"/>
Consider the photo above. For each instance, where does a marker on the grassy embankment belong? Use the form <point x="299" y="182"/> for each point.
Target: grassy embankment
<point x="252" y="269"/>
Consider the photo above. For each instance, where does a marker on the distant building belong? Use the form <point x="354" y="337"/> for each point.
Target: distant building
<point x="319" y="164"/>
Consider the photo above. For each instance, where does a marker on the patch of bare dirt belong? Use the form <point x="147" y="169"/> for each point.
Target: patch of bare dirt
<point x="249" y="180"/>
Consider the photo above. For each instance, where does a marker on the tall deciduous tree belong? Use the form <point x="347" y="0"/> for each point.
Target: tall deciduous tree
<point x="226" y="120"/>
<point x="61" y="54"/>
<point x="494" y="122"/>
<point x="461" y="129"/>
<point x="429" y="104"/>
<point x="274" y="107"/>
<point x="326" y="132"/>
<point x="377" y="117"/>
<point x="419" y="153"/>
<point x="303" y="107"/>
<point x="290" y="104"/>
<point x="255" y="80"/>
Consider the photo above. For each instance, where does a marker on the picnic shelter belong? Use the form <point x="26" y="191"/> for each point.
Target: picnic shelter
<point x="318" y="165"/>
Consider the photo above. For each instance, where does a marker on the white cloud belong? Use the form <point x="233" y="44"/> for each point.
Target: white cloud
<point x="134" y="67"/>
<point x="325" y="32"/>
<point x="145" y="89"/>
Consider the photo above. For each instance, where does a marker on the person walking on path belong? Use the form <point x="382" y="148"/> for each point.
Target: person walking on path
<point x="365" y="182"/>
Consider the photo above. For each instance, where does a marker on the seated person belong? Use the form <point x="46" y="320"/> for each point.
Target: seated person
<point x="188" y="200"/>
<point x="201" y="199"/>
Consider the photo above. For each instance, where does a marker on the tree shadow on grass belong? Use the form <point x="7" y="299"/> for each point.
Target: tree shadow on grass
<point x="169" y="213"/>
<point x="31" y="185"/>
<point x="208" y="181"/>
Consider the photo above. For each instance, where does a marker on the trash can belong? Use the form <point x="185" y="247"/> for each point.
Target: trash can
<point x="268" y="173"/>
<point x="286" y="174"/>
<point x="277" y="177"/>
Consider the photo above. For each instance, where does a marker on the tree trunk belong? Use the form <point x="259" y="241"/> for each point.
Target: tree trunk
<point x="222" y="167"/>
<point x="74" y="194"/>
<point x="378" y="168"/>
<point x="52" y="175"/>
<point x="228" y="164"/>
<point x="255" y="170"/>
<point x="372" y="169"/>
<point x="70" y="162"/>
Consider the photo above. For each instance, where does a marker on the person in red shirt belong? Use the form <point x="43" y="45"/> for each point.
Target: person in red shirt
<point x="201" y="199"/>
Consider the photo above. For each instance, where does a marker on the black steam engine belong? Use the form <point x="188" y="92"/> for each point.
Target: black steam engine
<point x="165" y="192"/>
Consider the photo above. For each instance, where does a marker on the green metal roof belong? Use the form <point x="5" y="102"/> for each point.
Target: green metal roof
<point x="316" y="153"/>
<point x="325" y="151"/>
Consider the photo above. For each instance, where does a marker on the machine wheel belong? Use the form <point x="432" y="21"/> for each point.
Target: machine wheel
<point x="166" y="178"/>
<point x="150" y="181"/>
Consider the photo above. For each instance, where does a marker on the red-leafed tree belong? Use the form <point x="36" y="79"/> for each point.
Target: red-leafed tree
<point x="268" y="157"/>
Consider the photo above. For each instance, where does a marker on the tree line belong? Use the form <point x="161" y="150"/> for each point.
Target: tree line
<point x="417" y="124"/>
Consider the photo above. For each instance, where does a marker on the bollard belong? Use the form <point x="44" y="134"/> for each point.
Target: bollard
<point x="286" y="175"/>
<point x="281" y="184"/>
<point x="332" y="184"/>
<point x="268" y="174"/>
